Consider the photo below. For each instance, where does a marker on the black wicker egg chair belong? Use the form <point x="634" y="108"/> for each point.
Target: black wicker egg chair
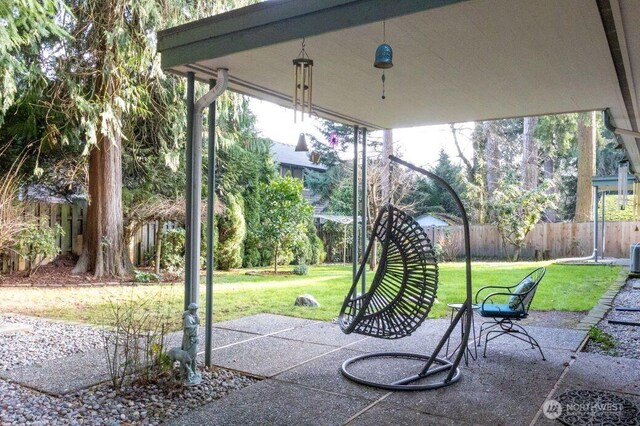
<point x="400" y="296"/>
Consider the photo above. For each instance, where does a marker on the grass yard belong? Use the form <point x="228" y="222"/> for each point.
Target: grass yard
<point x="565" y="288"/>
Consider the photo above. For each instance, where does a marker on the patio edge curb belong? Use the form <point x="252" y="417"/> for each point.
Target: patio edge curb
<point x="604" y="305"/>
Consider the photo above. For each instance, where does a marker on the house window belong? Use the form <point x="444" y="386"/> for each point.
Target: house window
<point x="295" y="172"/>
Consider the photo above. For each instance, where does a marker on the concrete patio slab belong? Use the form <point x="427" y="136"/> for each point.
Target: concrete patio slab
<point x="595" y="371"/>
<point x="548" y="338"/>
<point x="504" y="389"/>
<point x="324" y="373"/>
<point x="11" y="328"/>
<point x="268" y="355"/>
<point x="271" y="402"/>
<point x="264" y="323"/>
<point x="384" y="413"/>
<point x="61" y="376"/>
<point x="323" y="333"/>
<point x="220" y="337"/>
<point x="423" y="341"/>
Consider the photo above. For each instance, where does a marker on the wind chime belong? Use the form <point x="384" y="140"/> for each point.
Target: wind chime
<point x="384" y="56"/>
<point x="623" y="195"/>
<point x="302" y="91"/>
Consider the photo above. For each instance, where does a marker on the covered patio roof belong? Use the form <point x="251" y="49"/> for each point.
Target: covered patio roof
<point x="454" y="60"/>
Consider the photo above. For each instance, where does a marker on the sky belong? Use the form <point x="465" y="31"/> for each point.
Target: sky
<point x="420" y="145"/>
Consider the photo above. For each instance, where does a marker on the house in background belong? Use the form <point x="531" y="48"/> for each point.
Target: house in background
<point x="428" y="221"/>
<point x="296" y="164"/>
<point x="293" y="162"/>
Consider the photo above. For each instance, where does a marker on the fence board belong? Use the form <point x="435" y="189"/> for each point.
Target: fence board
<point x="73" y="219"/>
<point x="568" y="239"/>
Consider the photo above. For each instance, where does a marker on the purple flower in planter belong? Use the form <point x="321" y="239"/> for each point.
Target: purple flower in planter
<point x="333" y="139"/>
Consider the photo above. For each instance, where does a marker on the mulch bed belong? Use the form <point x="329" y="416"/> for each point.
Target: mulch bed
<point x="58" y="274"/>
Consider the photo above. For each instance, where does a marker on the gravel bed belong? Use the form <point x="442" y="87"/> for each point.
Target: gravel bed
<point x="46" y="340"/>
<point x="626" y="338"/>
<point x="101" y="405"/>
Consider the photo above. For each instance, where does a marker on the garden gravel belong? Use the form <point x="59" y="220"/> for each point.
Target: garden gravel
<point x="45" y="340"/>
<point x="150" y="404"/>
<point x="625" y="337"/>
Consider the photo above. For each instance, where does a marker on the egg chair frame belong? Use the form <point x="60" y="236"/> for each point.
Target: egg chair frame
<point x="396" y="310"/>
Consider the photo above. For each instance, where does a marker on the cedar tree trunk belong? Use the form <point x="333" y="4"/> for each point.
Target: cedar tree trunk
<point x="586" y="166"/>
<point x="104" y="252"/>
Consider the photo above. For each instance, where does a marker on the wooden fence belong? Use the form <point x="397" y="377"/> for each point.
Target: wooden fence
<point x="557" y="239"/>
<point x="72" y="218"/>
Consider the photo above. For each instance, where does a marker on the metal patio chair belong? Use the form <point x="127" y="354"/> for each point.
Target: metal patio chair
<point x="400" y="296"/>
<point x="518" y="299"/>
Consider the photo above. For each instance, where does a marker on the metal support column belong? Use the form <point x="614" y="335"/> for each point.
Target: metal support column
<point x="211" y="188"/>
<point x="595" y="224"/>
<point x="363" y="224"/>
<point x="354" y="239"/>
<point x="603" y="237"/>
<point x="189" y="194"/>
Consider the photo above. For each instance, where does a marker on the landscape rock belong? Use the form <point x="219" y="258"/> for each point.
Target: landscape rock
<point x="306" y="300"/>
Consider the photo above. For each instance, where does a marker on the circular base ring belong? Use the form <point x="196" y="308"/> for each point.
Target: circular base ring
<point x="404" y="384"/>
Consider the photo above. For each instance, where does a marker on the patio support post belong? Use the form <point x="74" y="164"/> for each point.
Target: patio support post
<point x="604" y="198"/>
<point x="354" y="239"/>
<point x="189" y="193"/>
<point x="193" y="235"/>
<point x="595" y="224"/>
<point x="363" y="227"/>
<point x="211" y="188"/>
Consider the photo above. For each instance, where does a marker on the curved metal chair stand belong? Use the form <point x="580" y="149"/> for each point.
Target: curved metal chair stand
<point x="401" y="294"/>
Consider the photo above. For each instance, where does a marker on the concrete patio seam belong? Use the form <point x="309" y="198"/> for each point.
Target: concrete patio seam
<point x="315" y="357"/>
<point x="260" y="336"/>
<point x="222" y="327"/>
<point x="553" y="390"/>
<point x="365" y="409"/>
<point x="594" y="316"/>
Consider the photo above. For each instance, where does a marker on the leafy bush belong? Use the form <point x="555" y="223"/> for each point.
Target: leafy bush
<point x="318" y="254"/>
<point x="231" y="233"/>
<point x="145" y="276"/>
<point x="284" y="216"/>
<point x="301" y="269"/>
<point x="37" y="242"/>
<point x="172" y="257"/>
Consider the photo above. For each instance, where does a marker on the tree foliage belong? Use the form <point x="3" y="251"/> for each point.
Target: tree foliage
<point x="517" y="211"/>
<point x="429" y="197"/>
<point x="285" y="214"/>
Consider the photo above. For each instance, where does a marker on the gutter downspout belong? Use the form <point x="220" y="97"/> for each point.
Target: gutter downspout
<point x="615" y="130"/>
<point x="193" y="237"/>
<point x="594" y="254"/>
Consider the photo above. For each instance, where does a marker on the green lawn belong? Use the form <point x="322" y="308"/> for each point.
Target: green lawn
<point x="565" y="287"/>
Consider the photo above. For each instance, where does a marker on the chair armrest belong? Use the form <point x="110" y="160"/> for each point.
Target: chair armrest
<point x="488" y="298"/>
<point x="500" y="287"/>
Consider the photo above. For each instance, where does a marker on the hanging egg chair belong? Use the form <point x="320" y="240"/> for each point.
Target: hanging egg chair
<point x="400" y="296"/>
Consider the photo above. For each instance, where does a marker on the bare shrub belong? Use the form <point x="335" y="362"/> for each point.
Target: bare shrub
<point x="134" y="338"/>
<point x="449" y="246"/>
<point x="12" y="213"/>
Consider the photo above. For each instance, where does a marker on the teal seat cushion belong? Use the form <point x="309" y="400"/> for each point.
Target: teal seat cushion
<point x="524" y="286"/>
<point x="499" y="310"/>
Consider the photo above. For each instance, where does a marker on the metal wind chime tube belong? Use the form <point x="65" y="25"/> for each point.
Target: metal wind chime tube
<point x="623" y="196"/>
<point x="303" y="84"/>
